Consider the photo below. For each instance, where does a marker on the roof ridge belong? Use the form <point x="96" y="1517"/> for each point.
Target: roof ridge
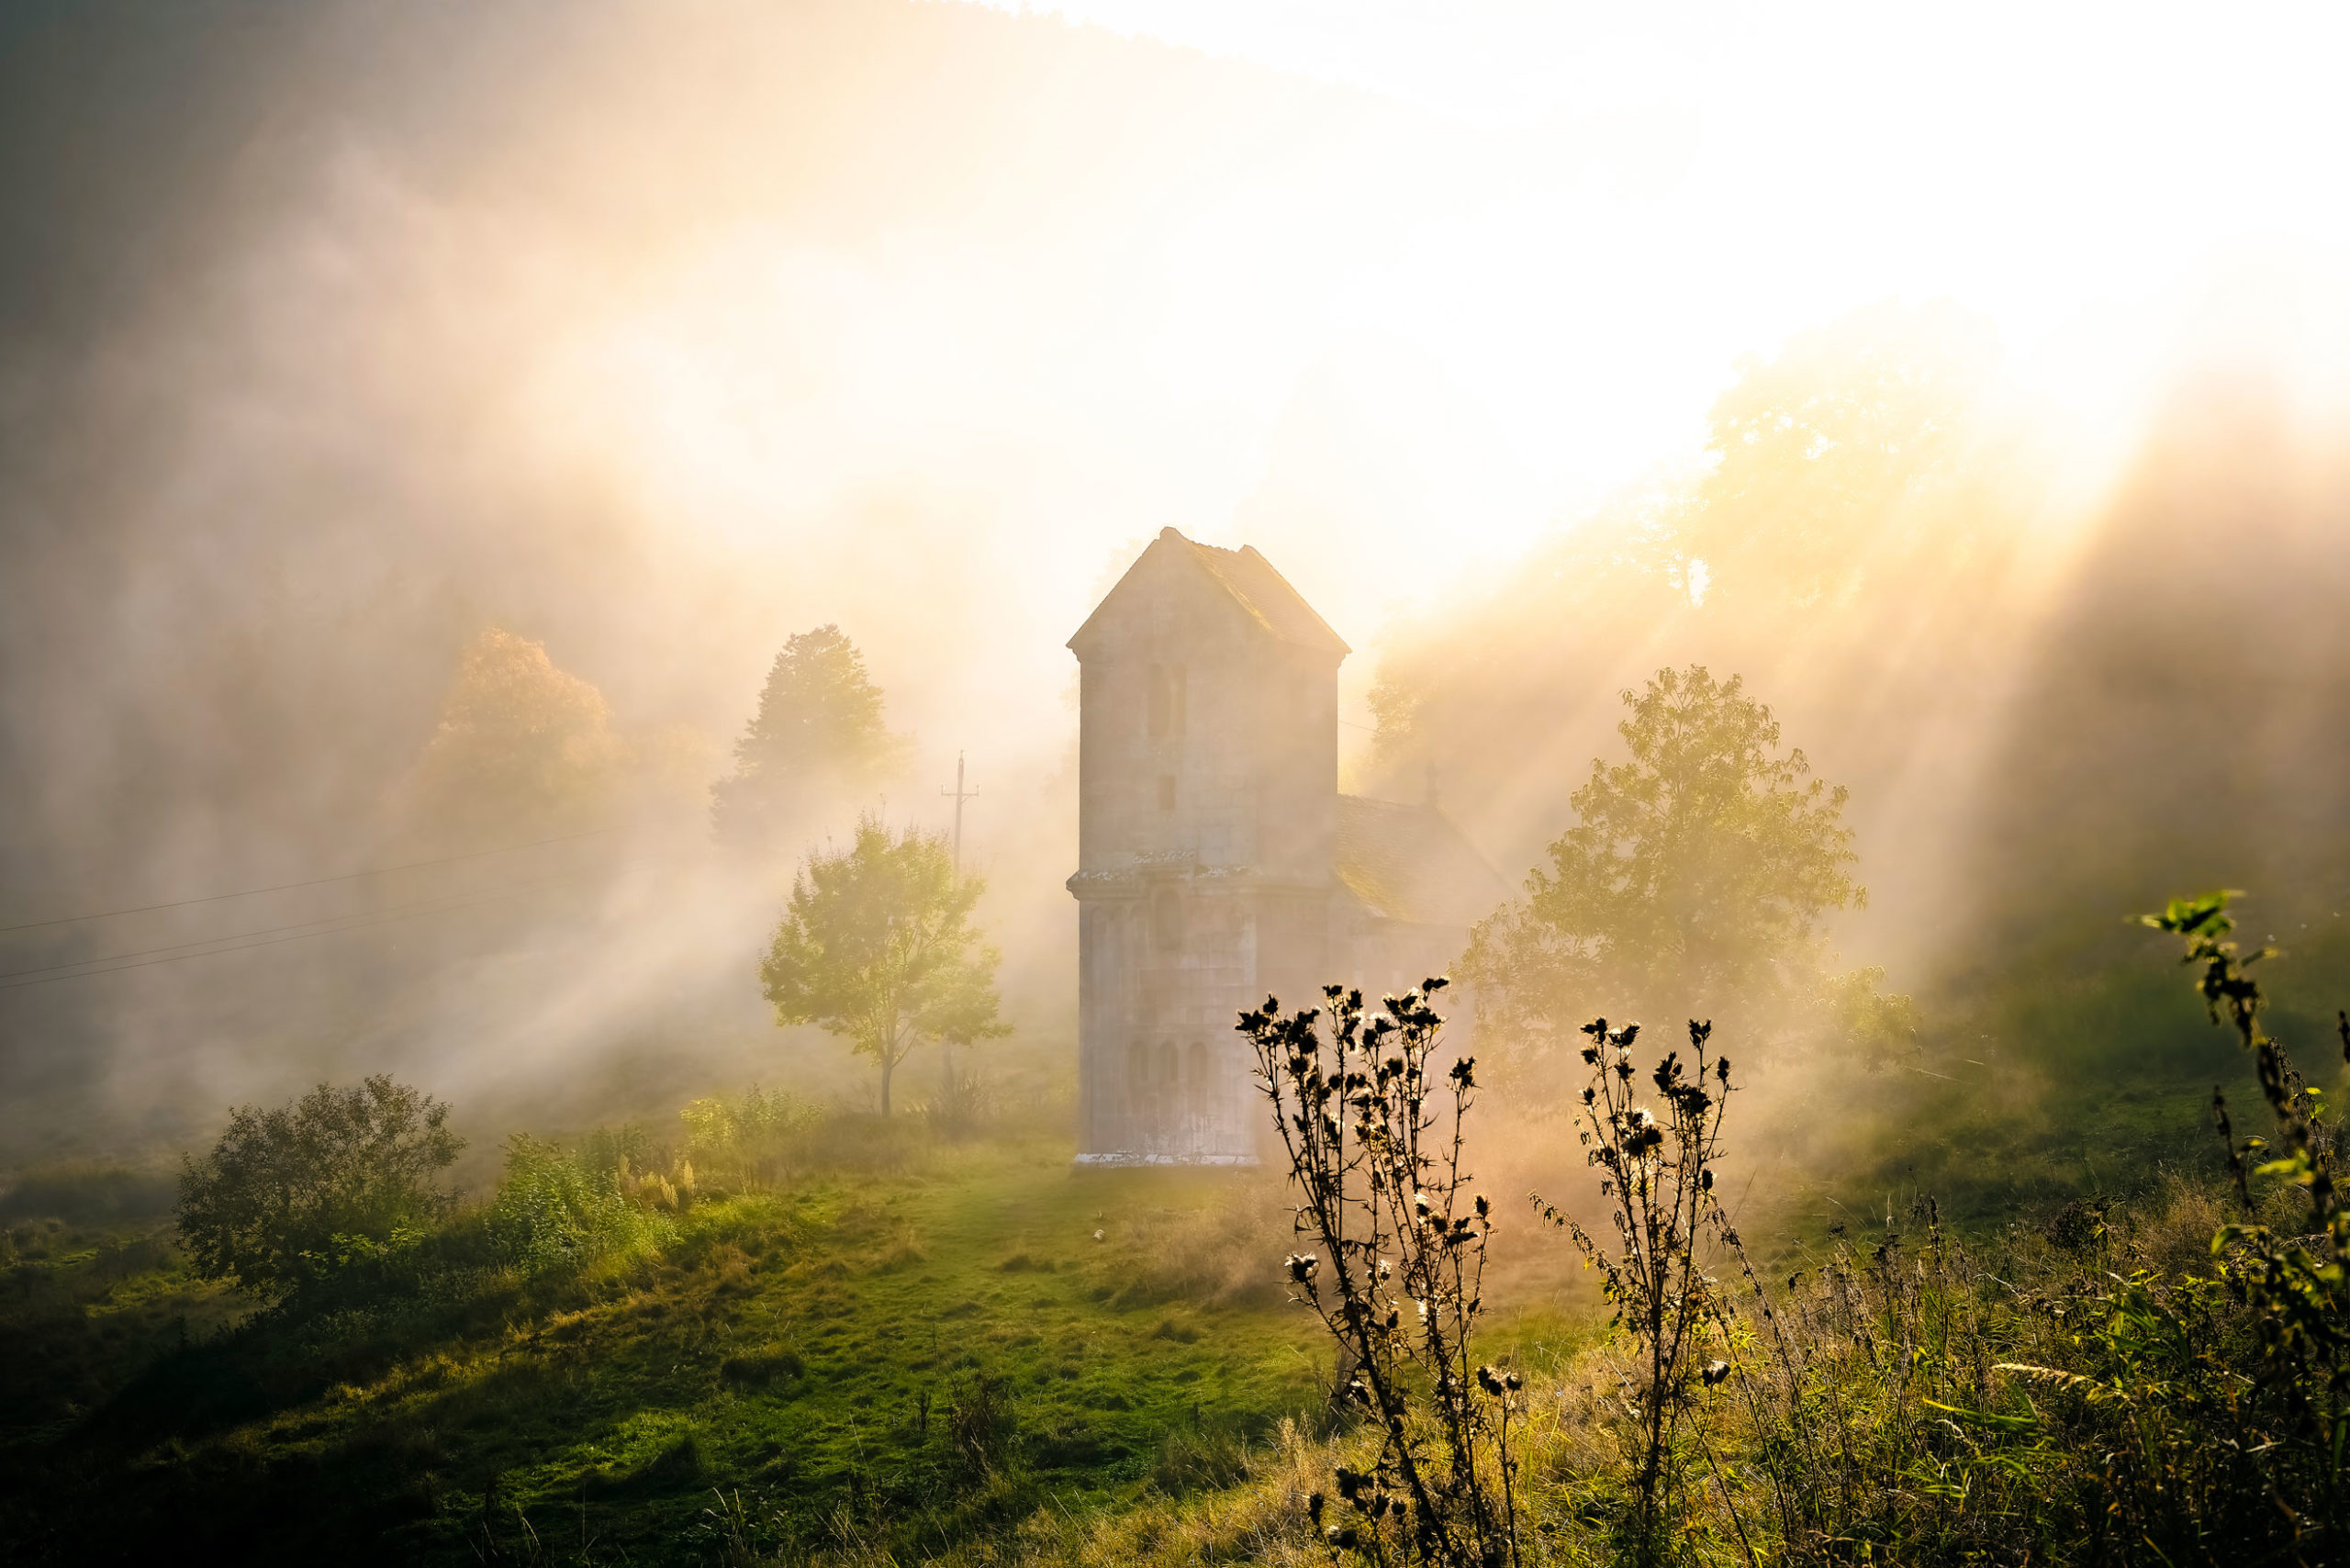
<point x="1272" y="602"/>
<point x="1254" y="587"/>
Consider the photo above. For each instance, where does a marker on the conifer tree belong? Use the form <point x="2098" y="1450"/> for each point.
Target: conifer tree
<point x="817" y="741"/>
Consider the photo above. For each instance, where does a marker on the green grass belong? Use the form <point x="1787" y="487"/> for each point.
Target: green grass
<point x="919" y="1347"/>
<point x="782" y="1348"/>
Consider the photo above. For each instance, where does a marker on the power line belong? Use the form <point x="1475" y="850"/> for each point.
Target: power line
<point x="326" y="923"/>
<point x="313" y="882"/>
<point x="248" y="946"/>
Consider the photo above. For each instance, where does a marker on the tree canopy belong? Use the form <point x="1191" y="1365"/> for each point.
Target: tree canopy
<point x="1851" y="525"/>
<point x="817" y="738"/>
<point x="1695" y="880"/>
<point x="288" y="1195"/>
<point x="1837" y="459"/>
<point x="876" y="945"/>
<point x="524" y="746"/>
<point x="521" y="744"/>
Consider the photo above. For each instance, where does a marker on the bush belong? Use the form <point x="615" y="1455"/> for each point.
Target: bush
<point x="554" y="1213"/>
<point x="748" y="1139"/>
<point x="290" y="1197"/>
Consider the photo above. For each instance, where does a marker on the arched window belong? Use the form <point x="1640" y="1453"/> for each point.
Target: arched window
<point x="1165" y="708"/>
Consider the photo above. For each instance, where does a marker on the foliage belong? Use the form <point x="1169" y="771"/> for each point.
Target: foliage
<point x="876" y="945"/>
<point x="555" y="1214"/>
<point x="1376" y="1162"/>
<point x="789" y="1341"/>
<point x="1840" y="455"/>
<point x="1868" y="1024"/>
<point x="2087" y="1393"/>
<point x="289" y="1196"/>
<point x="2083" y="1399"/>
<point x="524" y="746"/>
<point x="519" y="742"/>
<point x="2298" y="1283"/>
<point x="817" y="738"/>
<point x="1657" y="1176"/>
<point x="1698" y="871"/>
<point x="744" y="1137"/>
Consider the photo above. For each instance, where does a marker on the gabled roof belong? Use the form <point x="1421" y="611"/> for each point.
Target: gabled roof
<point x="1409" y="863"/>
<point x="1249" y="581"/>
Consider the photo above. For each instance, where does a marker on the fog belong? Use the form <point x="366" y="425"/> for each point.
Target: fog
<point x="334" y="336"/>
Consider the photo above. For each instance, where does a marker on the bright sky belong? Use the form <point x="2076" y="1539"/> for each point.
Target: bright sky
<point x="1422" y="287"/>
<point x="2115" y="187"/>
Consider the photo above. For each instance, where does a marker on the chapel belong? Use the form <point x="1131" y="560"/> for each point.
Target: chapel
<point x="1217" y="862"/>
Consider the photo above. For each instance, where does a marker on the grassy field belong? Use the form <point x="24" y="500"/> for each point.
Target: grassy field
<point x="912" y="1357"/>
<point x="927" y="1348"/>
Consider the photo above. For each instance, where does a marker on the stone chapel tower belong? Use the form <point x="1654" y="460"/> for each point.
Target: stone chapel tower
<point x="1208" y="791"/>
<point x="1217" y="863"/>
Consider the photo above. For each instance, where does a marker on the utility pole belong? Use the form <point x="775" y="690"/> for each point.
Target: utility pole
<point x="946" y="1052"/>
<point x="959" y="795"/>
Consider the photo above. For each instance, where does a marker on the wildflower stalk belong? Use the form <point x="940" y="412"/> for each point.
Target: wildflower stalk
<point x="1657" y="1174"/>
<point x="1398" y="1251"/>
<point x="2307" y="1291"/>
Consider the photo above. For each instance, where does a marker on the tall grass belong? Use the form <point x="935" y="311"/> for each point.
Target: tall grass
<point x="2153" y="1383"/>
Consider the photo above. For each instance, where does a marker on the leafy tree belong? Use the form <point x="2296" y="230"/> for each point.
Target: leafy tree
<point x="524" y="746"/>
<point x="1840" y="456"/>
<point x="521" y="744"/>
<point x="1695" y="879"/>
<point x="288" y="1197"/>
<point x="1865" y="477"/>
<point x="817" y="737"/>
<point x="877" y="945"/>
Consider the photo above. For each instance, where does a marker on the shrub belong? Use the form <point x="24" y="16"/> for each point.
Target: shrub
<point x="964" y="1102"/>
<point x="289" y="1197"/>
<point x="553" y="1214"/>
<point x="747" y="1139"/>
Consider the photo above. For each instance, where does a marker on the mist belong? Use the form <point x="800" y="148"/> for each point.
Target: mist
<point x="545" y="546"/>
<point x="336" y="337"/>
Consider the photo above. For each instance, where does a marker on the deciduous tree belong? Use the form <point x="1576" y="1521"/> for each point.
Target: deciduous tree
<point x="1697" y="878"/>
<point x="521" y="746"/>
<point x="876" y="945"/>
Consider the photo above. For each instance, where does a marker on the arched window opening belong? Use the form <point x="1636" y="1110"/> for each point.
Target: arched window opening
<point x="1166" y="702"/>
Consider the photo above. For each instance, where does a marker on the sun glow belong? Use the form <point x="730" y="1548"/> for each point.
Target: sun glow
<point x="1453" y="275"/>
